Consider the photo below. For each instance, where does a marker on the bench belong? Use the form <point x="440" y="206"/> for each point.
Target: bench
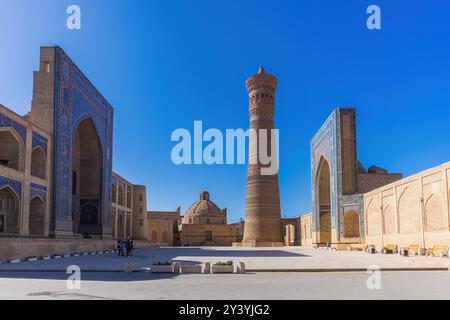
<point x="438" y="251"/>
<point x="358" y="247"/>
<point x="390" y="249"/>
<point x="414" y="250"/>
<point x="342" y="247"/>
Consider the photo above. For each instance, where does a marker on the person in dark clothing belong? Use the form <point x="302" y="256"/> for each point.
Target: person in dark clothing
<point x="119" y="248"/>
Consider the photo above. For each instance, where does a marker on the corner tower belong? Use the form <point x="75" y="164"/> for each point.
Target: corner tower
<point x="262" y="212"/>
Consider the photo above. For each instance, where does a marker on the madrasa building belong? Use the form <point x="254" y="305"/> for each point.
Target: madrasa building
<point x="58" y="193"/>
<point x="56" y="178"/>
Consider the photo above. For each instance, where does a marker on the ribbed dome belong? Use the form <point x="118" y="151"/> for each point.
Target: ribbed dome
<point x="204" y="211"/>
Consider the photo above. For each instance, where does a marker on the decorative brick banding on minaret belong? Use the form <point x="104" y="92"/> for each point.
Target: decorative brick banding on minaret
<point x="263" y="225"/>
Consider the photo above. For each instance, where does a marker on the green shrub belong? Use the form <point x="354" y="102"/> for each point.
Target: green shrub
<point x="166" y="263"/>
<point x="221" y="263"/>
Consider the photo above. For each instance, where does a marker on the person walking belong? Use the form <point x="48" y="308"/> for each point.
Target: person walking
<point x="131" y="247"/>
<point x="119" y="248"/>
<point x="125" y="249"/>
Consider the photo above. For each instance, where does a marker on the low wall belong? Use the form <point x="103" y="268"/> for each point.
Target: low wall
<point x="21" y="248"/>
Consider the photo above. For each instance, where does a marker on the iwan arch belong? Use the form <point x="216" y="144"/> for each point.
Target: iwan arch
<point x="373" y="207"/>
<point x="56" y="161"/>
<point x="56" y="181"/>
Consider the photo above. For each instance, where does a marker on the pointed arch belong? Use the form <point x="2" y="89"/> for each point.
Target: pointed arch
<point x="114" y="192"/>
<point x="435" y="219"/>
<point x="39" y="163"/>
<point x="87" y="165"/>
<point x="409" y="211"/>
<point x="121" y="197"/>
<point x="37" y="216"/>
<point x="389" y="219"/>
<point x="323" y="185"/>
<point x="9" y="211"/>
<point x="373" y="218"/>
<point x="12" y="151"/>
<point x="120" y="225"/>
<point x="154" y="236"/>
<point x="165" y="237"/>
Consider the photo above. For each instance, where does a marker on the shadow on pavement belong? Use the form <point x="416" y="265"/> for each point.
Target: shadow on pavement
<point x="111" y="267"/>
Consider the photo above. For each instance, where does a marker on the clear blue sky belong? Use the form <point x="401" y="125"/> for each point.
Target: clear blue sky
<point x="164" y="64"/>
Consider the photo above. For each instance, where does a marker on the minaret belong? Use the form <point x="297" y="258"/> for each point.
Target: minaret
<point x="262" y="212"/>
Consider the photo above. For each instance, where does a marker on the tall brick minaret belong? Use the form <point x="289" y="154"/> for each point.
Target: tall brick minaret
<point x="262" y="213"/>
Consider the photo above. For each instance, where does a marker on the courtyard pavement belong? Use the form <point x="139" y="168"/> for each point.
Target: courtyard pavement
<point x="259" y="286"/>
<point x="293" y="259"/>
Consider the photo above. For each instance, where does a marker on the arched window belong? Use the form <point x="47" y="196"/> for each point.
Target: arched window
<point x="38" y="163"/>
<point x="11" y="149"/>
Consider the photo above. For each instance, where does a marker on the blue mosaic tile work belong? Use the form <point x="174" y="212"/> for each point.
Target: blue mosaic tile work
<point x="323" y="147"/>
<point x="37" y="190"/>
<point x="39" y="141"/>
<point x="9" y="123"/>
<point x="326" y="145"/>
<point x="13" y="184"/>
<point x="75" y="100"/>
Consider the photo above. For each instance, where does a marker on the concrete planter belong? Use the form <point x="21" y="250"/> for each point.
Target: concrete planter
<point x="241" y="268"/>
<point x="14" y="261"/>
<point x="222" y="269"/>
<point x="191" y="268"/>
<point x="161" y="269"/>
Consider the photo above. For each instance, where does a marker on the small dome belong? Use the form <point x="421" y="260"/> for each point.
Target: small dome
<point x="204" y="211"/>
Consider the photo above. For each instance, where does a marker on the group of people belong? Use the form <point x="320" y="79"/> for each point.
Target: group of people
<point x="125" y="248"/>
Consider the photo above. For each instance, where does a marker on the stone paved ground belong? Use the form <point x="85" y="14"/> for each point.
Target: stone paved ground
<point x="260" y="286"/>
<point x="260" y="258"/>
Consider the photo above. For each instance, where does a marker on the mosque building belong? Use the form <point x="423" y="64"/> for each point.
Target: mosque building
<point x="58" y="192"/>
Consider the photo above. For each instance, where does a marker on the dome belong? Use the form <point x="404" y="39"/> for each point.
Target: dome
<point x="204" y="211"/>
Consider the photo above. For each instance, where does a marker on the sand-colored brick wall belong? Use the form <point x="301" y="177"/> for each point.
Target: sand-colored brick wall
<point x="223" y="235"/>
<point x="160" y="232"/>
<point x="306" y="230"/>
<point x="414" y="210"/>
<point x="21" y="248"/>
<point x="371" y="181"/>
